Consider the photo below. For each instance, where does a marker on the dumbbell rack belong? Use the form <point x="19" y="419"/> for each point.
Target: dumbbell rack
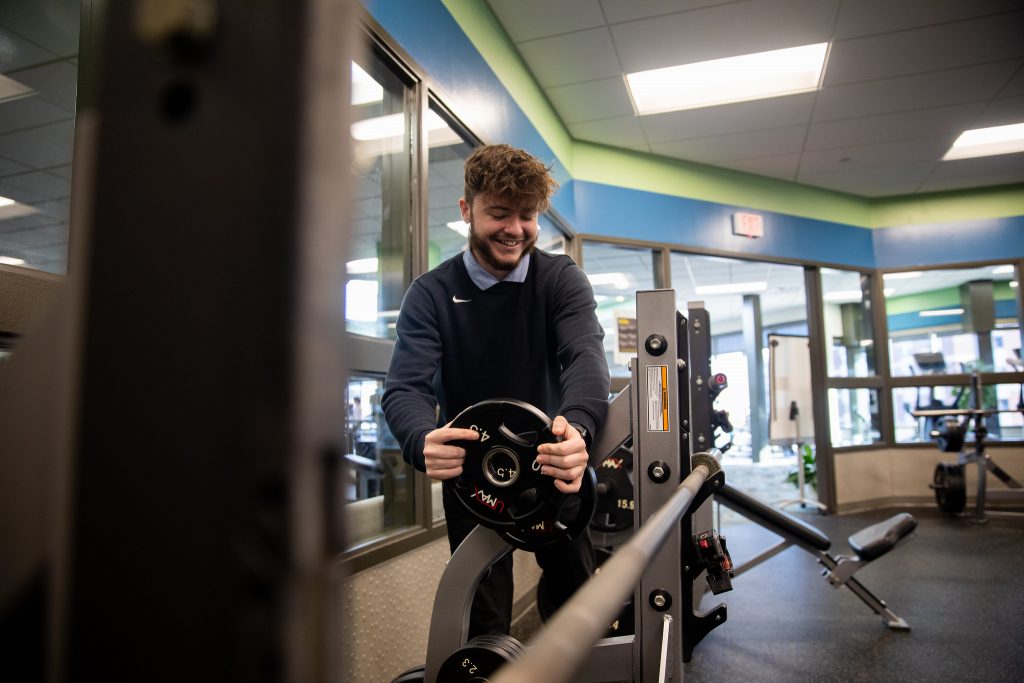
<point x="654" y="411"/>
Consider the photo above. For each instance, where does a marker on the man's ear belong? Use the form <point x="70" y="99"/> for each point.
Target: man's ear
<point x="465" y="208"/>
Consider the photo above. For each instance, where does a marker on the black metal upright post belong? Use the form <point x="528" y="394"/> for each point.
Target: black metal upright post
<point x="209" y="373"/>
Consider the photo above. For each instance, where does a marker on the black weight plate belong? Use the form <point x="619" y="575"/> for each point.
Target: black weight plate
<point x="562" y="522"/>
<point x="501" y="483"/>
<point x="614" y="508"/>
<point x="950" y="487"/>
<point x="416" y="675"/>
<point x="477" y="660"/>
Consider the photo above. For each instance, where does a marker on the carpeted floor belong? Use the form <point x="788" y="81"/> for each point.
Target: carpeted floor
<point x="960" y="587"/>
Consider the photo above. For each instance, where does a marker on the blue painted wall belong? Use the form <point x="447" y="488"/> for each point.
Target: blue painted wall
<point x="948" y="243"/>
<point x="428" y="33"/>
<point x="620" y="212"/>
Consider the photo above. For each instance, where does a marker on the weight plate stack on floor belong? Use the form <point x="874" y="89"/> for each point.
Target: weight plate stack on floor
<point x="479" y="659"/>
<point x="950" y="487"/>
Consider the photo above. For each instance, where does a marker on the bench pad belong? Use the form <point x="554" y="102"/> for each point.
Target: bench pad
<point x="878" y="539"/>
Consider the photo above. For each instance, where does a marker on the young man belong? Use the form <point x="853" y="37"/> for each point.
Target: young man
<point x="501" y="320"/>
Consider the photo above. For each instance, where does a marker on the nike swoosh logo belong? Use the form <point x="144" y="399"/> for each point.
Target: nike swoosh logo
<point x="460" y="301"/>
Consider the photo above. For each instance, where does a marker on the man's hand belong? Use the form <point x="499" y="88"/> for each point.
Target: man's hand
<point x="565" y="460"/>
<point x="443" y="460"/>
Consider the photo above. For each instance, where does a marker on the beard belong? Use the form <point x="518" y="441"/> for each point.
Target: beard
<point x="483" y="249"/>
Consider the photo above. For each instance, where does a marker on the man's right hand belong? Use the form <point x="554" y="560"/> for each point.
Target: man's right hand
<point x="443" y="460"/>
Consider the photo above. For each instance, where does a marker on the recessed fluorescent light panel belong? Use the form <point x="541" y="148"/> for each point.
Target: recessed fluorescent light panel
<point x="1002" y="270"/>
<point x="461" y="227"/>
<point x="11" y="89"/>
<point x="616" y="280"/>
<point x="983" y="142"/>
<point x="734" y="79"/>
<point x="941" y="312"/>
<point x="732" y="288"/>
<point x="365" y="89"/>
<point x="909" y="275"/>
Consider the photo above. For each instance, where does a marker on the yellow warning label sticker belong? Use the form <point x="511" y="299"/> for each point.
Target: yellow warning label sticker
<point x="657" y="398"/>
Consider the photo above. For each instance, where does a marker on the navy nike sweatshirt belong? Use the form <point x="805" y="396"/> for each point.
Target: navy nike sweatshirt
<point x="537" y="341"/>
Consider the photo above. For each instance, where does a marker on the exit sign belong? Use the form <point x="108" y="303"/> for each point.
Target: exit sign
<point x="748" y="225"/>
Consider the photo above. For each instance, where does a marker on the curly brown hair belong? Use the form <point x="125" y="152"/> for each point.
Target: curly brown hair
<point x="505" y="171"/>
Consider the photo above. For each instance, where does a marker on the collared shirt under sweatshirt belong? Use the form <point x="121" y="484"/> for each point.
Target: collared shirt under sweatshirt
<point x="536" y="341"/>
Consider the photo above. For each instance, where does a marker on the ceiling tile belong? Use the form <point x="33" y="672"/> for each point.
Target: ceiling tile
<point x="29" y="111"/>
<point x="891" y="190"/>
<point x="971" y="181"/>
<point x="718" y="148"/>
<point x="953" y="86"/>
<point x="997" y="164"/>
<point x="520" y="18"/>
<point x="18" y="53"/>
<point x="868" y="156"/>
<point x="722" y="31"/>
<point x="617" y="11"/>
<point x="53" y="25"/>
<point x="783" y="167"/>
<point x="34" y="187"/>
<point x="1015" y="86"/>
<point x="624" y="130"/>
<point x="850" y="179"/>
<point x="865" y="17"/>
<point x="774" y="112"/>
<point x="9" y="166"/>
<point x="933" y="48"/>
<point x="1001" y="112"/>
<point x="40" y="147"/>
<point x="36" y="220"/>
<point x="56" y="83"/>
<point x="911" y="124"/>
<point x="591" y="100"/>
<point x="581" y="56"/>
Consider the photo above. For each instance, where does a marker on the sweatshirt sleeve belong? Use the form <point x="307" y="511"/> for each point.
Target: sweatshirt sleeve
<point x="409" y="404"/>
<point x="584" y="375"/>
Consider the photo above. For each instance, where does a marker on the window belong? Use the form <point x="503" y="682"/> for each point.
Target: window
<point x="1004" y="426"/>
<point x="38" y="85"/>
<point x="379" y="487"/>
<point x="447" y="152"/>
<point x="853" y="417"/>
<point x="379" y="248"/>
<point x="746" y="301"/>
<point x="616" y="273"/>
<point x="849" y="331"/>
<point x="950" y="321"/>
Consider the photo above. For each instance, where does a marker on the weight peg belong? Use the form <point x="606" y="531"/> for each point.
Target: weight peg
<point x="614" y="507"/>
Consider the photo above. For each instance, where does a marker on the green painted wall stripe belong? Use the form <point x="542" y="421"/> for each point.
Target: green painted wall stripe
<point x="639" y="171"/>
<point x="490" y="40"/>
<point x="948" y="297"/>
<point x="993" y="202"/>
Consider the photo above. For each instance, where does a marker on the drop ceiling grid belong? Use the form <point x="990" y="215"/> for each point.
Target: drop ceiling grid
<point x="910" y="76"/>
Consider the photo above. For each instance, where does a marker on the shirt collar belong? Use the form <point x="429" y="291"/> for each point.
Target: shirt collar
<point x="482" y="279"/>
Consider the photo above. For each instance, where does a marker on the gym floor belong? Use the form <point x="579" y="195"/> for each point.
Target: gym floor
<point x="958" y="585"/>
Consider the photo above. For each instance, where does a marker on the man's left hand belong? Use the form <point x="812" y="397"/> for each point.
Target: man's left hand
<point x="565" y="460"/>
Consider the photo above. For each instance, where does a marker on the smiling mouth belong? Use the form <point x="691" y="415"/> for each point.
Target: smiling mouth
<point x="509" y="243"/>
